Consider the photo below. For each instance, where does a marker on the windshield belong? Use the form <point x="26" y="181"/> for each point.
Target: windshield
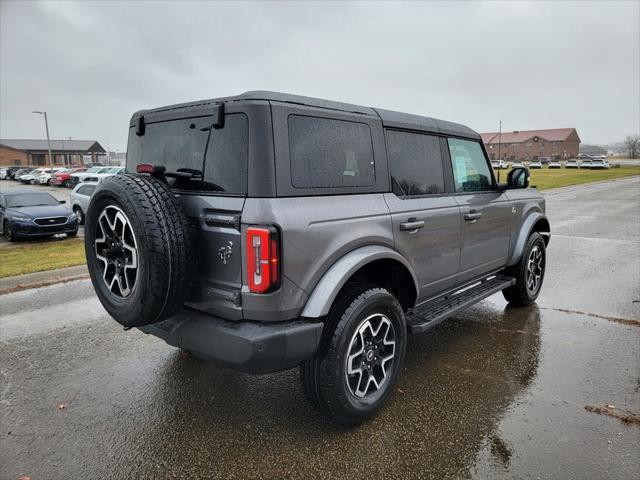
<point x="30" y="199"/>
<point x="181" y="144"/>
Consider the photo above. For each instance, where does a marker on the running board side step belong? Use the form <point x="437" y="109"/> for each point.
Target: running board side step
<point x="435" y="311"/>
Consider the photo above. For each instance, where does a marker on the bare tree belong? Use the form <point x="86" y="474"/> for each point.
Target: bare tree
<point x="632" y="142"/>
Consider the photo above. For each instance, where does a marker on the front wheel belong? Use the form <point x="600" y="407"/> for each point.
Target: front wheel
<point x="8" y="232"/>
<point x="79" y="215"/>
<point x="353" y="374"/>
<point x="529" y="273"/>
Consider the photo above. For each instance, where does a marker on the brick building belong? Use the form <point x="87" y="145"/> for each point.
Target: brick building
<point x="36" y="153"/>
<point x="556" y="143"/>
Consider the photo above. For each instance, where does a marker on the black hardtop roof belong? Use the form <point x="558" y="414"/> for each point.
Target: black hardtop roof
<point x="389" y="118"/>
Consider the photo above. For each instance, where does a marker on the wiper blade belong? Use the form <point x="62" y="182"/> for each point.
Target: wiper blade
<point x="185" y="173"/>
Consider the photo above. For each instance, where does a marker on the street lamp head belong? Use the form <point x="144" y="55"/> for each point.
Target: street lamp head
<point x="37" y="111"/>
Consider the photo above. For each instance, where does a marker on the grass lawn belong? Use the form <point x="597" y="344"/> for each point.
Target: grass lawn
<point x="40" y="256"/>
<point x="561" y="177"/>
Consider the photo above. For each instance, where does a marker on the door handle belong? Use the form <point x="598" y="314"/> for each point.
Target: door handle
<point x="472" y="215"/>
<point x="412" y="224"/>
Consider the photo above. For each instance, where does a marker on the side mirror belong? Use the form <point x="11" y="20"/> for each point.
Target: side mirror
<point x="63" y="201"/>
<point x="518" y="178"/>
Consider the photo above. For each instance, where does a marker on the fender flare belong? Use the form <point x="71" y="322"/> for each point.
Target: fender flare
<point x="327" y="289"/>
<point x="523" y="235"/>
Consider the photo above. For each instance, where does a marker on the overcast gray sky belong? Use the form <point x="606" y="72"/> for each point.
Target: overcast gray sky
<point x="531" y="64"/>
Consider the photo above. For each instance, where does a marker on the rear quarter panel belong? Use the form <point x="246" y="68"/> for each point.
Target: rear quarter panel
<point x="315" y="233"/>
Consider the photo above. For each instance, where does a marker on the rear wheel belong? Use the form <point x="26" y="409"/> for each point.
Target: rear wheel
<point x="529" y="273"/>
<point x="359" y="361"/>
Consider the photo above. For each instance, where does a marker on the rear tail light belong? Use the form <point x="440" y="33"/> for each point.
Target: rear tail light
<point x="263" y="259"/>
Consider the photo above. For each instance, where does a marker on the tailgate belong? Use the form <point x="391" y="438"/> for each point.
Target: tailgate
<point x="218" y="255"/>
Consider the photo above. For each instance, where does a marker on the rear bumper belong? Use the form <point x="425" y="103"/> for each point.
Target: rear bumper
<point x="252" y="347"/>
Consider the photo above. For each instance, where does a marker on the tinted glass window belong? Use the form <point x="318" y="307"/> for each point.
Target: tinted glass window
<point x="471" y="172"/>
<point x="327" y="153"/>
<point x="181" y="144"/>
<point x="415" y="163"/>
<point x="86" y="190"/>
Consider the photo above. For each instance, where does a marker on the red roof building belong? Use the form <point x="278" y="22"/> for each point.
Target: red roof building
<point x="555" y="143"/>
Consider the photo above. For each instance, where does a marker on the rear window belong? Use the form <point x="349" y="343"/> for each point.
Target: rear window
<point x="327" y="153"/>
<point x="181" y="144"/>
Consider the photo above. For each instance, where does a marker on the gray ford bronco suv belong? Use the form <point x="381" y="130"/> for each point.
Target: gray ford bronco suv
<point x="266" y="231"/>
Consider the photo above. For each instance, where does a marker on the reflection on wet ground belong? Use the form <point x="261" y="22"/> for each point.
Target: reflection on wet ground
<point x="471" y="403"/>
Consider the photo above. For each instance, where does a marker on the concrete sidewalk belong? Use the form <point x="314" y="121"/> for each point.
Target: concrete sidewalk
<point x="42" y="279"/>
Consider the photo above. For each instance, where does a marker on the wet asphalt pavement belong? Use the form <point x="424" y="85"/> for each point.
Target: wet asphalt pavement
<point x="495" y="392"/>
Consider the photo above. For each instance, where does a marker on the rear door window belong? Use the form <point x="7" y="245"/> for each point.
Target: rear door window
<point x="181" y="144"/>
<point x="471" y="172"/>
<point x="329" y="153"/>
<point x="415" y="163"/>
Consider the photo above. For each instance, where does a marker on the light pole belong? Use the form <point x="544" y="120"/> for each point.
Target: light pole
<point x="46" y="126"/>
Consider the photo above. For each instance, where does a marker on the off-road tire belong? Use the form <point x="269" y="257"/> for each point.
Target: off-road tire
<point x="164" y="239"/>
<point x="518" y="294"/>
<point x="323" y="379"/>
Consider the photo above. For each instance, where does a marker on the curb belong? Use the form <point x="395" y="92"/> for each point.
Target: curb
<point x="42" y="279"/>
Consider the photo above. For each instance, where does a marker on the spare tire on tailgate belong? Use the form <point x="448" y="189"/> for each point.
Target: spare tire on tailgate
<point x="138" y="243"/>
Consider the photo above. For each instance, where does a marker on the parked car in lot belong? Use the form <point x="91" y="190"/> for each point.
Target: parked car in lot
<point x="585" y="163"/>
<point x="3" y="173"/>
<point x="584" y="156"/>
<point x="555" y="164"/>
<point x="544" y="160"/>
<point x="501" y="164"/>
<point x="21" y="171"/>
<point x="80" y="198"/>
<point x="106" y="172"/>
<point x="572" y="163"/>
<point x="599" y="164"/>
<point x="35" y="214"/>
<point x="63" y="178"/>
<point x="11" y="171"/>
<point x="535" y="164"/>
<point x="81" y="176"/>
<point x="32" y="176"/>
<point x="517" y="164"/>
<point x="45" y="176"/>
<point x="282" y="230"/>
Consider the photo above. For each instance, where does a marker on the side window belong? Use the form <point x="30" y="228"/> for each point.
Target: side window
<point x="88" y="190"/>
<point x="470" y="169"/>
<point x="326" y="153"/>
<point x="415" y="163"/>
